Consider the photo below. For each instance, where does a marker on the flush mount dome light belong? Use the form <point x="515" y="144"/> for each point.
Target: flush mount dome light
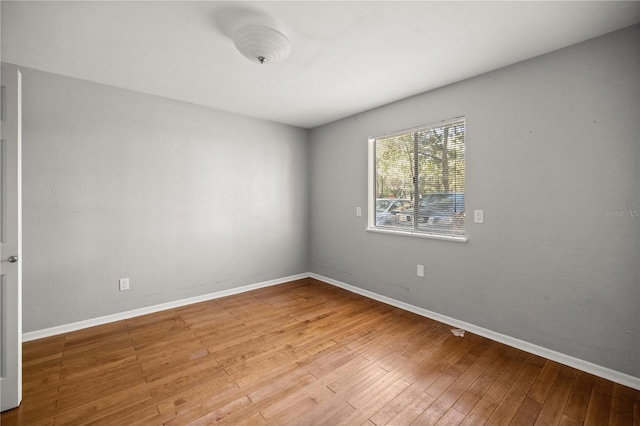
<point x="262" y="45"/>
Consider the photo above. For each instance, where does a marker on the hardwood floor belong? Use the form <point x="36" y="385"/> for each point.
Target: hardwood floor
<point x="302" y="353"/>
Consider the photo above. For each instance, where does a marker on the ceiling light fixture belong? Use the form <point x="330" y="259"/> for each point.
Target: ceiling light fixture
<point x="262" y="45"/>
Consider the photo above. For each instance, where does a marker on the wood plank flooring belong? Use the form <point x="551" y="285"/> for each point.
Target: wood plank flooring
<point x="302" y="353"/>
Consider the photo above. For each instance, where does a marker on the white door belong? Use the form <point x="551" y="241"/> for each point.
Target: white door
<point x="11" y="238"/>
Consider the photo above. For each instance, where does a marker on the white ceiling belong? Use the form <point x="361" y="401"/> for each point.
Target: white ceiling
<point x="347" y="56"/>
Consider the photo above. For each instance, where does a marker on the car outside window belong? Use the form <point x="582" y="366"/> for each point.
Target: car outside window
<point x="389" y="209"/>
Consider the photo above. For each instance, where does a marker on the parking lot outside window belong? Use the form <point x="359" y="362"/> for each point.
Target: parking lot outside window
<point x="417" y="181"/>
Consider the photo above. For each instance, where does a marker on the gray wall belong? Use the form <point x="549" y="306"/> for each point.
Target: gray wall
<point x="552" y="143"/>
<point x="183" y="200"/>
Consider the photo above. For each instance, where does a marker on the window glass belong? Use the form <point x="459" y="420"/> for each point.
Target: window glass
<point x="419" y="180"/>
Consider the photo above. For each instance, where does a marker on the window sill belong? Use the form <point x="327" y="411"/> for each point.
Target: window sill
<point x="419" y="235"/>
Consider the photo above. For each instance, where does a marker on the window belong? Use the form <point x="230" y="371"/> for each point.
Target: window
<point x="417" y="181"/>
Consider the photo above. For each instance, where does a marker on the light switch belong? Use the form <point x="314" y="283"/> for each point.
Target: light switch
<point x="358" y="211"/>
<point x="478" y="216"/>
<point x="420" y="270"/>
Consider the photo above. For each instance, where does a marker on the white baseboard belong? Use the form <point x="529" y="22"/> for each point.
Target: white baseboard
<point x="596" y="370"/>
<point x="66" y="328"/>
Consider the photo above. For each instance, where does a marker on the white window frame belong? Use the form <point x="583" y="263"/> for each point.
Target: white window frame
<point x="371" y="183"/>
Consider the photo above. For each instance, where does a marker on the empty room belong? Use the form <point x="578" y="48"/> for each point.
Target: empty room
<point x="320" y="213"/>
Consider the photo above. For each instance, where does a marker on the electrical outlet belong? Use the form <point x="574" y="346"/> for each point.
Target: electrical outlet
<point x="124" y="284"/>
<point x="420" y="270"/>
